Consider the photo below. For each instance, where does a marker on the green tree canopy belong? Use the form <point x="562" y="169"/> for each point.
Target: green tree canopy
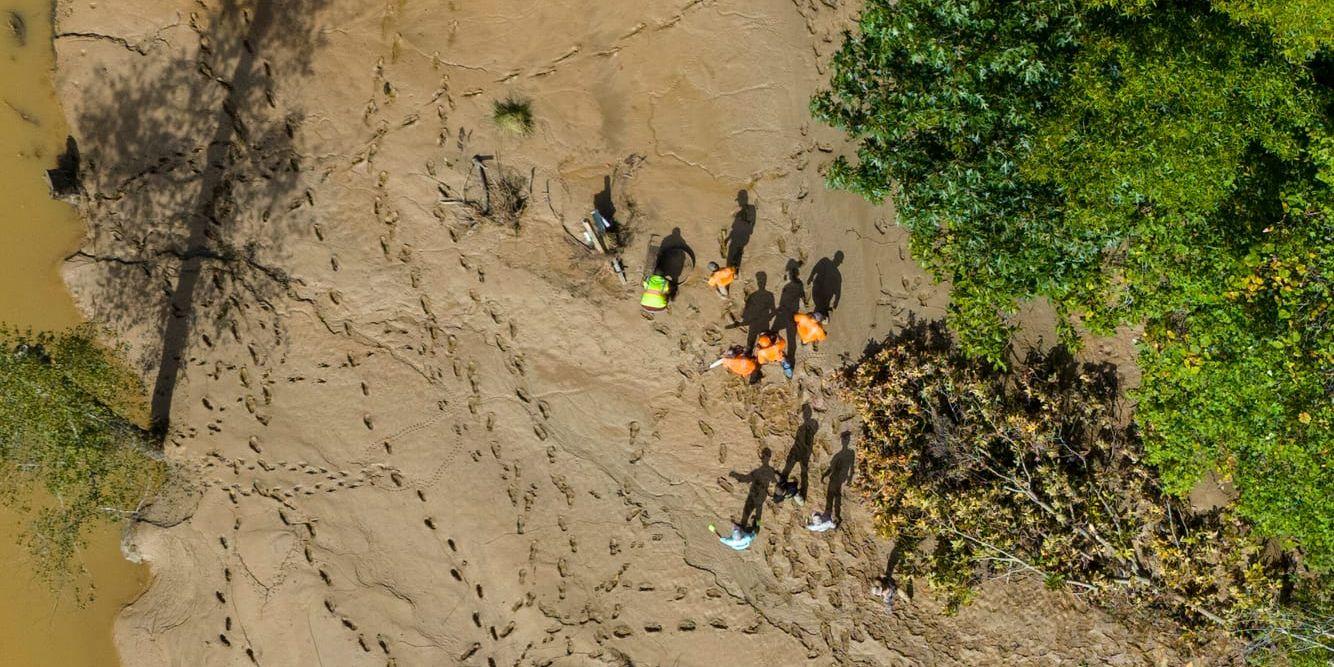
<point x="1163" y="164"/>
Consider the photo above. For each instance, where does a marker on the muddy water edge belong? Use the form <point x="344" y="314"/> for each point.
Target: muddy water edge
<point x="38" y="626"/>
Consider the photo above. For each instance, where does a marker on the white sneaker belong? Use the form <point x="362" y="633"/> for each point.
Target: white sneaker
<point x="820" y="524"/>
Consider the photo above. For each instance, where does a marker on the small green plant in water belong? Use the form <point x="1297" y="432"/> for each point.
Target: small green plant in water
<point x="513" y="115"/>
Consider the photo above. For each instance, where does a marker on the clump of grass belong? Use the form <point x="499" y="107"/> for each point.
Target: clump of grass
<point x="513" y="115"/>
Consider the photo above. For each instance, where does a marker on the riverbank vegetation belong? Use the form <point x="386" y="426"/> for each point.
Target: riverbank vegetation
<point x="69" y="425"/>
<point x="1164" y="165"/>
<point x="981" y="473"/>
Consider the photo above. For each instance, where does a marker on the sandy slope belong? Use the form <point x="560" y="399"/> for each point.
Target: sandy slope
<point x="426" y="443"/>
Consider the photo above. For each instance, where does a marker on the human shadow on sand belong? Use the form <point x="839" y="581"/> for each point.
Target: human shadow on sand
<point x="789" y="303"/>
<point x="675" y="257"/>
<point x="839" y="473"/>
<point x="743" y="227"/>
<point x="760" y="479"/>
<point x="758" y="311"/>
<point x="799" y="456"/>
<point x="826" y="281"/>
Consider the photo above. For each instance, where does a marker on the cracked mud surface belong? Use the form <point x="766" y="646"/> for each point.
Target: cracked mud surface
<point x="417" y="441"/>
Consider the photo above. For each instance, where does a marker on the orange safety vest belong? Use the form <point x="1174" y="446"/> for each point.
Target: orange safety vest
<point x="743" y="366"/>
<point x="722" y="277"/>
<point x="770" y="350"/>
<point x="808" y="329"/>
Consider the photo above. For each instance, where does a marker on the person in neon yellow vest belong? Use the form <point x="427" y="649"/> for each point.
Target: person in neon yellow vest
<point x="657" y="290"/>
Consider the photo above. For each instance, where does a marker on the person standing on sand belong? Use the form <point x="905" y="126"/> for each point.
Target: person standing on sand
<point x="720" y="278"/>
<point x="788" y="488"/>
<point x="657" y="289"/>
<point x="886" y="593"/>
<point x="738" y="362"/>
<point x="739" y="540"/>
<point x="771" y="348"/>
<point x="810" y="328"/>
<point x="821" y="521"/>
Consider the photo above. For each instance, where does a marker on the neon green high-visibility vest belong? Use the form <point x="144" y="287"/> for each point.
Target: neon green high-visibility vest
<point x="656" y="289"/>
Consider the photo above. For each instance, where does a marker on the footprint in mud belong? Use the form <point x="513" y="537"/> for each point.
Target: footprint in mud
<point x="476" y="646"/>
<point x="514" y="365"/>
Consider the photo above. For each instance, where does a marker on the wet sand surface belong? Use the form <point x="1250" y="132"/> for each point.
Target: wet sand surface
<point x="38" y="626"/>
<point x="420" y="438"/>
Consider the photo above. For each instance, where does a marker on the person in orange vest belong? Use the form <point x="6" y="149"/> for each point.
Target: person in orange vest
<point x="738" y="362"/>
<point x="810" y="328"/>
<point x="770" y="348"/>
<point x="720" y="278"/>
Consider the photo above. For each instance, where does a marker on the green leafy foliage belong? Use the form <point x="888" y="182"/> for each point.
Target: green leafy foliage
<point x="1168" y="145"/>
<point x="66" y="410"/>
<point x="1160" y="164"/>
<point x="945" y="98"/>
<point x="1301" y="28"/>
<point x="1252" y="401"/>
<point x="1033" y="472"/>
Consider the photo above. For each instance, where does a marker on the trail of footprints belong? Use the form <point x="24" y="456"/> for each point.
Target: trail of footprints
<point x="492" y="623"/>
<point x="284" y="482"/>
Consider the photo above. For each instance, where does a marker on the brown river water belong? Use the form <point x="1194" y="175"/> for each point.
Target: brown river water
<point x="39" y="627"/>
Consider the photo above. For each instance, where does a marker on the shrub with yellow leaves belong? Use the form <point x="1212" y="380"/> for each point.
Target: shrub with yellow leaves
<point x="1038" y="471"/>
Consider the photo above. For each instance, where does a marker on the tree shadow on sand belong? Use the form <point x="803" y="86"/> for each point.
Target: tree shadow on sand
<point x="192" y="182"/>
